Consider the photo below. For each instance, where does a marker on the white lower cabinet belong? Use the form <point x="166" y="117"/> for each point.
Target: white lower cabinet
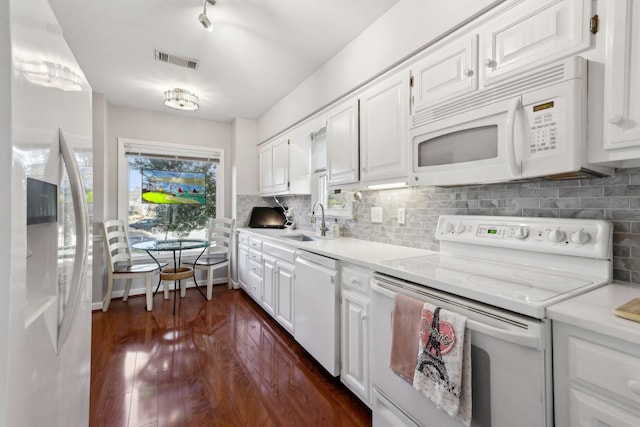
<point x="269" y="270"/>
<point x="355" y="367"/>
<point x="596" y="379"/>
<point x="284" y="294"/>
<point x="255" y="280"/>
<point x="243" y="266"/>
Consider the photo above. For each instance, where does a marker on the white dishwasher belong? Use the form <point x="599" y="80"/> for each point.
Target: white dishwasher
<point x="316" y="313"/>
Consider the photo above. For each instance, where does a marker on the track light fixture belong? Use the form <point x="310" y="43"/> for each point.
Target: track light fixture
<point x="204" y="20"/>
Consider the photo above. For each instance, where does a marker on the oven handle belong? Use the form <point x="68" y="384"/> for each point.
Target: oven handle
<point x="512" y="335"/>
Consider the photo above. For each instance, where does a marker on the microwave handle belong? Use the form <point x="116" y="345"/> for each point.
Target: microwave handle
<point x="511" y="140"/>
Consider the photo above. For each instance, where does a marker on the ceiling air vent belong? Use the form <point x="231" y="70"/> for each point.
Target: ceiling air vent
<point x="176" y="60"/>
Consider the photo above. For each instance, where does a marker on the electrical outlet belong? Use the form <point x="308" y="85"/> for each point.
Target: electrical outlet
<point x="401" y="216"/>
<point x="376" y="215"/>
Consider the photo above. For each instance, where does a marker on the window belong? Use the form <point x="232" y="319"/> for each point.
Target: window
<point x="335" y="204"/>
<point x="168" y="191"/>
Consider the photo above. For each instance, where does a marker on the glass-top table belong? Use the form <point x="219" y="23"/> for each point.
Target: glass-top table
<point x="177" y="272"/>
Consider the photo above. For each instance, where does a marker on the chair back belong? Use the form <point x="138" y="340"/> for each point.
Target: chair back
<point x="220" y="234"/>
<point x="116" y="242"/>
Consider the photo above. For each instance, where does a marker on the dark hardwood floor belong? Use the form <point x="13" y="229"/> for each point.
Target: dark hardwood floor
<point x="222" y="362"/>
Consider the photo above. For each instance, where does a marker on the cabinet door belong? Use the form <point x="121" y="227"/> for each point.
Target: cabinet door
<point x="284" y="295"/>
<point x="255" y="281"/>
<point x="342" y="144"/>
<point x="446" y="73"/>
<point x="533" y="33"/>
<point x="622" y="80"/>
<point x="243" y="266"/>
<point x="355" y="344"/>
<point x="383" y="130"/>
<point x="268" y="276"/>
<point x="588" y="410"/>
<point x="265" y="158"/>
<point x="280" y="166"/>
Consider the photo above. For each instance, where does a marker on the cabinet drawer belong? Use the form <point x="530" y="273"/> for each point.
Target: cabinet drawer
<point x="255" y="244"/>
<point x="355" y="279"/>
<point x="604" y="368"/>
<point x="281" y="252"/>
<point x="588" y="410"/>
<point x="243" y="239"/>
<point x="255" y="256"/>
<point x="255" y="268"/>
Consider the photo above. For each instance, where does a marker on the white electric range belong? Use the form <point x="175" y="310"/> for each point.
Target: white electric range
<point x="501" y="273"/>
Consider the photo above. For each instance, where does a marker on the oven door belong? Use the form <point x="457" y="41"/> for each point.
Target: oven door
<point x="477" y="146"/>
<point x="511" y="365"/>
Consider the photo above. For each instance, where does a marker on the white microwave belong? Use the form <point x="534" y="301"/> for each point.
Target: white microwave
<point x="527" y="127"/>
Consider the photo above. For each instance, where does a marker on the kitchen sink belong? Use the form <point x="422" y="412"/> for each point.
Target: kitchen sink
<point x="300" y="238"/>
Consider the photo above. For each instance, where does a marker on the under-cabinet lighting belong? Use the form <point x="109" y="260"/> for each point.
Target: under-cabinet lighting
<point x="387" y="186"/>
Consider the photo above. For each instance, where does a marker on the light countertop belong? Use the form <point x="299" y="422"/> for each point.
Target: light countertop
<point x="362" y="252"/>
<point x="593" y="311"/>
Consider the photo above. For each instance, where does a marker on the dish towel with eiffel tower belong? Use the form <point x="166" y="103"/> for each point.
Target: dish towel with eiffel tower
<point x="443" y="368"/>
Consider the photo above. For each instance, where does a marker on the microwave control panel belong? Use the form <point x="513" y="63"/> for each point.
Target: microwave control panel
<point x="543" y="120"/>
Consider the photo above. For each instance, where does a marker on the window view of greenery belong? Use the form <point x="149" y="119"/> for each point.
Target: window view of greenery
<point x="176" y="215"/>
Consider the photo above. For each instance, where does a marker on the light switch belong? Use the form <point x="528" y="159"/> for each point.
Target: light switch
<point x="401" y="218"/>
<point x="376" y="215"/>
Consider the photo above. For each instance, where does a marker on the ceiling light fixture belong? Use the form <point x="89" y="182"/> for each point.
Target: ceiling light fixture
<point x="181" y="99"/>
<point x="204" y="20"/>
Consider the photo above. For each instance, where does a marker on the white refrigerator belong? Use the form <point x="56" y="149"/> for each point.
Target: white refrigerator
<point x="45" y="255"/>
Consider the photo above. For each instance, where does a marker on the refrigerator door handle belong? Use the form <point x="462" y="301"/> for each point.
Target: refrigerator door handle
<point x="80" y="211"/>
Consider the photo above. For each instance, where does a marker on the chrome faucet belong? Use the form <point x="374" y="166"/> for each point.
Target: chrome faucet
<point x="323" y="225"/>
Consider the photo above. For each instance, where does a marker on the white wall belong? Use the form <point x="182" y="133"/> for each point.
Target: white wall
<point x="245" y="157"/>
<point x="406" y="28"/>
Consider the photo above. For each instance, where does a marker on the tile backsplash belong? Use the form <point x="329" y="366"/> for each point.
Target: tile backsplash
<point x="616" y="199"/>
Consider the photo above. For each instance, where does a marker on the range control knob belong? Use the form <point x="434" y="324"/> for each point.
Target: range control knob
<point x="580" y="237"/>
<point x="460" y="228"/>
<point x="449" y="228"/>
<point x="557" y="235"/>
<point x="521" y="233"/>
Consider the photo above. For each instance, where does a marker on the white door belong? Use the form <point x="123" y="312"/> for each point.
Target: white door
<point x="355" y="344"/>
<point x="280" y="157"/>
<point x="342" y="144"/>
<point x="243" y="266"/>
<point x="622" y="82"/>
<point x="284" y="294"/>
<point x="265" y="160"/>
<point x="383" y="130"/>
<point x="530" y="34"/>
<point x="46" y="309"/>
<point x="268" y="279"/>
<point x="450" y="71"/>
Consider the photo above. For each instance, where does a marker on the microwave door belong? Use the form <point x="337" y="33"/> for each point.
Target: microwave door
<point x="477" y="146"/>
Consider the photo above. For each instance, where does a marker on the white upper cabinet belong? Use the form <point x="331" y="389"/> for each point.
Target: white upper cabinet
<point x="285" y="165"/>
<point x="280" y="164"/>
<point x="342" y="143"/>
<point x="384" y="109"/>
<point x="621" y="123"/>
<point x="449" y="71"/>
<point x="532" y="33"/>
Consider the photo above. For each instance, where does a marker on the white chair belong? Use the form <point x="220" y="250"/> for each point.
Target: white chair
<point x="120" y="264"/>
<point x="220" y="234"/>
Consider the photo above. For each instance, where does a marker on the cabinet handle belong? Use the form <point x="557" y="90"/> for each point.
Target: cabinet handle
<point x="468" y="72"/>
<point x="489" y="62"/>
<point x="634" y="385"/>
<point x="364" y="316"/>
<point x="616" y="119"/>
<point x="354" y="282"/>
